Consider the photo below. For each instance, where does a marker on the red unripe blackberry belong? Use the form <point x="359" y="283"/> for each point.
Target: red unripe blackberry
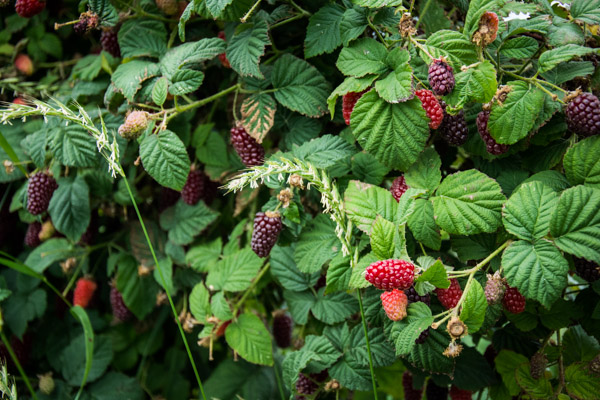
<point x="282" y="330"/>
<point x="32" y="236"/>
<point x="450" y="297"/>
<point x="422" y="337"/>
<point x="399" y="187"/>
<point x="583" y="115"/>
<point x="391" y="274"/>
<point x="409" y="392"/>
<point x="29" y="8"/>
<point x="110" y="42"/>
<point x="250" y="151"/>
<point x="168" y="198"/>
<point x="223" y="56"/>
<point x="459" y="394"/>
<point x="348" y="102"/>
<point x="432" y="107"/>
<point x="513" y="300"/>
<point x="588" y="270"/>
<point x="394" y="304"/>
<point x="435" y="392"/>
<point x="84" y="291"/>
<point x="413" y="296"/>
<point x="193" y="190"/>
<point x="120" y="310"/>
<point x="39" y="192"/>
<point x="266" y="231"/>
<point x="441" y="77"/>
<point x="454" y="129"/>
<point x="491" y="145"/>
<point x="24" y="65"/>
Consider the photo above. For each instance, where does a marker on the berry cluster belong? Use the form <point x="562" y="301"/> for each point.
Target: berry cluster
<point x="120" y="310"/>
<point x="394" y="304"/>
<point x="413" y="296"/>
<point x="349" y="100"/>
<point x="491" y="145"/>
<point x="32" y="236"/>
<point x="391" y="274"/>
<point x="29" y="8"/>
<point x="110" y="43"/>
<point x="282" y="330"/>
<point x="450" y="297"/>
<point x="583" y="115"/>
<point x="193" y="190"/>
<point x="266" y="231"/>
<point x="432" y="107"/>
<point x="249" y="150"/>
<point x="454" y="129"/>
<point x="399" y="187"/>
<point x="134" y="125"/>
<point x="84" y="291"/>
<point x="39" y="192"/>
<point x="588" y="270"/>
<point x="441" y="77"/>
<point x="494" y="289"/>
<point x="513" y="301"/>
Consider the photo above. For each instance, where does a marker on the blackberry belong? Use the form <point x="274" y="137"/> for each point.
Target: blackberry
<point x="282" y="330"/>
<point x="450" y="297"/>
<point x="399" y="187"/>
<point x="266" y="231"/>
<point x="410" y="393"/>
<point x="168" y="198"/>
<point x="460" y="394"/>
<point x="304" y="385"/>
<point x="249" y="150"/>
<point x="193" y="190"/>
<point x="39" y="191"/>
<point x="431" y="106"/>
<point x="32" y="237"/>
<point x="414" y="297"/>
<point x="390" y="274"/>
<point x="349" y="100"/>
<point x="588" y="270"/>
<point x="422" y="337"/>
<point x="583" y="115"/>
<point x="322" y="282"/>
<point x="435" y="392"/>
<point x="513" y="300"/>
<point x="29" y="8"/>
<point x="537" y="365"/>
<point x="454" y="128"/>
<point x="110" y="42"/>
<point x="441" y="77"/>
<point x="211" y="190"/>
<point x="81" y="27"/>
<point x="491" y="145"/>
<point x="120" y="310"/>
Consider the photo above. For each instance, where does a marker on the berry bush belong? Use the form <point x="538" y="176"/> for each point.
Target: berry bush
<point x="282" y="199"/>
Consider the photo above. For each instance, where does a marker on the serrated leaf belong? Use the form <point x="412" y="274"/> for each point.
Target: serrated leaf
<point x="350" y="84"/>
<point x="70" y="207"/>
<point x="425" y="173"/>
<point x="160" y="91"/>
<point x="382" y="238"/>
<point x="527" y="212"/>
<point x="582" y="164"/>
<point x="73" y="146"/>
<point x="581" y="383"/>
<point x="423" y="226"/>
<point x="452" y="45"/>
<point x="477" y="84"/>
<point x="429" y="355"/>
<point x="139" y="292"/>
<point x="351" y="374"/>
<point x="377" y="3"/>
<point x="320" y="345"/>
<point x="325" y="151"/>
<point x="199" y="303"/>
<point x="128" y="77"/>
<point x="247" y="46"/>
<point x="323" y="31"/>
<point x="467" y="203"/>
<point x="235" y="272"/>
<point x="418" y="319"/>
<point x="203" y="256"/>
<point x="364" y="56"/>
<point x="216" y="7"/>
<point x="397" y="85"/>
<point x="537" y="269"/>
<point x="575" y="225"/>
<point x="587" y="11"/>
<point x="551" y="58"/>
<point x="536" y="388"/>
<point x="367" y="169"/>
<point x="472" y="312"/>
<point x="190" y="54"/>
<point x="48" y="253"/>
<point x="250" y="339"/>
<point x="258" y="115"/>
<point x="317" y="244"/>
<point x="220" y="307"/>
<point x="334" y="307"/>
<point x="354" y="23"/>
<point x="435" y="274"/>
<point x="476" y="9"/>
<point x="284" y="269"/>
<point x="106" y="12"/>
<point x="165" y="158"/>
<point x="507" y="362"/>
<point x="299" y="304"/>
<point x="394" y="133"/>
<point x="520" y="47"/>
<point x="144" y="37"/>
<point x="185" y="81"/>
<point x="294" y="362"/>
<point x="184" y="222"/>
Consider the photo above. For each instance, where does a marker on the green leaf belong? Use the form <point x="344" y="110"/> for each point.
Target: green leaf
<point x="575" y="224"/>
<point x="320" y="345"/>
<point x="160" y="91"/>
<point x="351" y="374"/>
<point x="190" y="54"/>
<point x="551" y="58"/>
<point x="513" y="120"/>
<point x="473" y="309"/>
<point x="295" y="362"/>
<point x="70" y="207"/>
<point x="394" y="133"/>
<point x="220" y="307"/>
<point x="507" y="362"/>
<point x="199" y="303"/>
<point x="250" y="339"/>
<point x="538" y="270"/>
<point x="582" y="164"/>
<point x="521" y="47"/>
<point x="247" y="46"/>
<point x="258" y="115"/>
<point x="434" y="274"/>
<point x="164" y="277"/>
<point x="338" y="274"/>
<point x="203" y="256"/>
<point x="382" y="238"/>
<point x="185" y="81"/>
<point x="354" y="23"/>
<point x="165" y="158"/>
<point x="536" y="388"/>
<point x="452" y="45"/>
<point x="325" y="151"/>
<point x="115" y="385"/>
<point x="216" y="7"/>
<point x="364" y="56"/>
<point x="397" y="85"/>
<point x="105" y="11"/>
<point x="418" y="319"/>
<point x="300" y="86"/>
<point x="128" y="77"/>
<point x="429" y="355"/>
<point x="467" y="203"/>
<point x="139" y="292"/>
<point x="335" y="307"/>
<point x="377" y="3"/>
<point x="425" y="172"/>
<point x="423" y="226"/>
<point x="587" y="11"/>
<point x="73" y="359"/>
<point x="299" y="304"/>
<point x="73" y="146"/>
<point x="367" y="169"/>
<point x="527" y="212"/>
<point x="350" y="84"/>
<point x="477" y="84"/>
<point x="147" y="38"/>
<point x="476" y="9"/>
<point x="284" y="269"/>
<point x="318" y="244"/>
<point x="79" y="313"/>
<point x="323" y="31"/>
<point x="48" y="253"/>
<point x="581" y="383"/>
<point x="234" y="272"/>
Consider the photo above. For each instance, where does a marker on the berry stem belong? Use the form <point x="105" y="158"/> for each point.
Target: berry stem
<point x="364" y="324"/>
<point x="18" y="364"/>
<point x="199" y="103"/>
<point x="420" y="47"/>
<point x="377" y="33"/>
<point x="250" y="11"/>
<point x="249" y="290"/>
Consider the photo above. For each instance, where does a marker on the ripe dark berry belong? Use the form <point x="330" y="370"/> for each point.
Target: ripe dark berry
<point x="454" y="128"/>
<point x="84" y="291"/>
<point x="81" y="27"/>
<point x="441" y="77"/>
<point x="120" y="310"/>
<point x="435" y="392"/>
<point x="193" y="190"/>
<point x="491" y="145"/>
<point x="450" y="297"/>
<point x="537" y="365"/>
<point x="168" y="198"/>
<point x="250" y="151"/>
<point x="39" y="191"/>
<point x="409" y="392"/>
<point x="459" y="394"/>
<point x="29" y="8"/>
<point x="266" y="231"/>
<point x="413" y="296"/>
<point x="494" y="289"/>
<point x="282" y="330"/>
<point x="432" y="107"/>
<point x="513" y="300"/>
<point x="588" y="270"/>
<point x="394" y="303"/>
<point x="583" y="115"/>
<point x="391" y="274"/>
<point x="223" y="56"/>
<point x="32" y="236"/>
<point x="304" y="385"/>
<point x="110" y="42"/>
<point x="348" y="102"/>
<point x="422" y="337"/>
<point x="399" y="187"/>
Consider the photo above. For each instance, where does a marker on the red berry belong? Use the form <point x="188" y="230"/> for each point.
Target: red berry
<point x="450" y="297"/>
<point x="20" y="100"/>
<point x="588" y="270"/>
<point x="84" y="291"/>
<point x="432" y="107"/>
<point x="39" y="191"/>
<point x="391" y="274"/>
<point x="348" y="102"/>
<point x="399" y="187"/>
<point x="223" y="56"/>
<point x="110" y="42"/>
<point x="491" y="145"/>
<point x="394" y="303"/>
<point x="193" y="190"/>
<point x="304" y="385"/>
<point x="409" y="392"/>
<point x="282" y="330"/>
<point x="513" y="300"/>
<point x="583" y="115"/>
<point x="249" y="150"/>
<point x="120" y="310"/>
<point x="441" y="77"/>
<point x="454" y="129"/>
<point x="32" y="236"/>
<point x="266" y="231"/>
<point x="29" y="8"/>
<point x="459" y="394"/>
<point x="435" y="392"/>
<point x="23" y="64"/>
<point x="221" y="330"/>
<point x="413" y="296"/>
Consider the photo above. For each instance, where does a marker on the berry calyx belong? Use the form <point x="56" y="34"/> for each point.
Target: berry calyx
<point x="450" y="297"/>
<point x="29" y="8"/>
<point x="410" y="393"/>
<point x="491" y="145"/>
<point x="134" y="125"/>
<point x="394" y="303"/>
<point x="583" y="115"/>
<point x="454" y="129"/>
<point x="513" y="300"/>
<point x="266" y="231"/>
<point x="84" y="291"/>
<point x="413" y="296"/>
<point x="588" y="270"/>
<point x="39" y="192"/>
<point x="460" y="394"/>
<point x="120" y="310"/>
<point x="193" y="190"/>
<point x="250" y="151"/>
<point x="282" y="330"/>
<point x="494" y="288"/>
<point x="32" y="236"/>
<point x="432" y="107"/>
<point x="441" y="77"/>
<point x="223" y="57"/>
<point x="24" y="65"/>
<point x="349" y="100"/>
<point x="110" y="42"/>
<point x="399" y="187"/>
<point x="391" y="274"/>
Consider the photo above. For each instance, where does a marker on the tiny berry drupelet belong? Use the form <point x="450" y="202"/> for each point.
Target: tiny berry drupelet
<point x="193" y="190"/>
<point x="29" y="8"/>
<point x="110" y="43"/>
<point x="583" y="115"/>
<point x="32" y="236"/>
<point x="84" y="291"/>
<point x="410" y="393"/>
<point x="81" y="27"/>
<point x="250" y="151"/>
<point x="399" y="187"/>
<point x="304" y="385"/>
<point x="39" y="191"/>
<point x="282" y="330"/>
<point x="394" y="304"/>
<point x="513" y="300"/>
<point x="266" y="231"/>
<point x="413" y="296"/>
<point x="432" y="107"/>
<point x="391" y="274"/>
<point x="349" y="100"/>
<point x="491" y="145"/>
<point x="450" y="297"/>
<point x="441" y="77"/>
<point x="460" y="394"/>
<point x="454" y="129"/>
<point x="588" y="270"/>
<point x="120" y="310"/>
